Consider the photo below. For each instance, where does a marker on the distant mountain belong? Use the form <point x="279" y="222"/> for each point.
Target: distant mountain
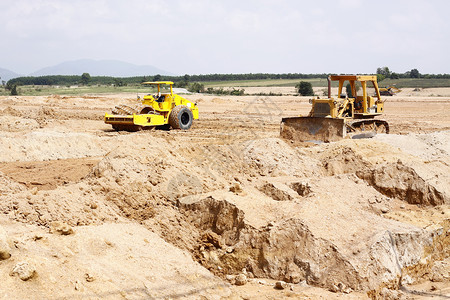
<point x="112" y="68"/>
<point x="7" y="75"/>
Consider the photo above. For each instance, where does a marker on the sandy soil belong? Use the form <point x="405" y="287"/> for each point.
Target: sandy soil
<point x="94" y="213"/>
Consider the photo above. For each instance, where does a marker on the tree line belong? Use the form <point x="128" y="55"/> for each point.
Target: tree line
<point x="184" y="80"/>
<point x="107" y="80"/>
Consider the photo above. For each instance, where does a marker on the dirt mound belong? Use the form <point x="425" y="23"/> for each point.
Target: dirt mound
<point x="48" y="175"/>
<point x="75" y="205"/>
<point x="44" y="114"/>
<point x="340" y="160"/>
<point x="15" y="124"/>
<point x="277" y="191"/>
<point x="133" y="200"/>
<point x="49" y="145"/>
<point x="10" y="111"/>
<point x="432" y="146"/>
<point x="7" y="185"/>
<point x="274" y="157"/>
<point x="391" y="171"/>
<point x="403" y="182"/>
<point x="91" y="263"/>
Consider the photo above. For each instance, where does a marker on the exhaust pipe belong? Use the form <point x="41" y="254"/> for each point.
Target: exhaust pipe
<point x="329" y="87"/>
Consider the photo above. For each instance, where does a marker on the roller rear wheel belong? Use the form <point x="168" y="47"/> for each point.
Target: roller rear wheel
<point x="181" y="117"/>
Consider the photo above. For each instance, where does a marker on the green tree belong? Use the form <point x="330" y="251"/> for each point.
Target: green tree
<point x="118" y="82"/>
<point x="14" y="90"/>
<point x="85" y="78"/>
<point x="196" y="87"/>
<point x="384" y="71"/>
<point x="157" y="77"/>
<point x="394" y="75"/>
<point x="348" y="89"/>
<point x="304" y="88"/>
<point x="181" y="84"/>
<point x="380" y="77"/>
<point x="414" y="73"/>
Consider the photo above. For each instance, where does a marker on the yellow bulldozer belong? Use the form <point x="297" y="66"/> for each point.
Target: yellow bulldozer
<point x="331" y="119"/>
<point x="163" y="109"/>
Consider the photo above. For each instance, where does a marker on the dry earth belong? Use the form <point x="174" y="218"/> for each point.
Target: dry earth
<point x="88" y="213"/>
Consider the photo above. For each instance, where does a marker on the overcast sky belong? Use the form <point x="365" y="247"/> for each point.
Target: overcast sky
<point x="203" y="36"/>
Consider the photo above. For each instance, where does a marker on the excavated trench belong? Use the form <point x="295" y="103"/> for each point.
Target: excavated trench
<point x="286" y="251"/>
<point x="289" y="249"/>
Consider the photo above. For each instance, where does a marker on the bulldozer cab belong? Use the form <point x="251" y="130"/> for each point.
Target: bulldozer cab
<point x="363" y="105"/>
<point x="355" y="106"/>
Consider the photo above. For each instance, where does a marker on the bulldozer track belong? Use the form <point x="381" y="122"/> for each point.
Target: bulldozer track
<point x="376" y="125"/>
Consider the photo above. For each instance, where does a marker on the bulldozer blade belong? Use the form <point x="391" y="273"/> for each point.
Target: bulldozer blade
<point x="304" y="129"/>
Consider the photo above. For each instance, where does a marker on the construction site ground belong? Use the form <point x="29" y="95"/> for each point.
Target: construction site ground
<point x="226" y="209"/>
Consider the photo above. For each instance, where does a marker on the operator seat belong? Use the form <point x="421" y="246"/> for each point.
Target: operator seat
<point x="161" y="98"/>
